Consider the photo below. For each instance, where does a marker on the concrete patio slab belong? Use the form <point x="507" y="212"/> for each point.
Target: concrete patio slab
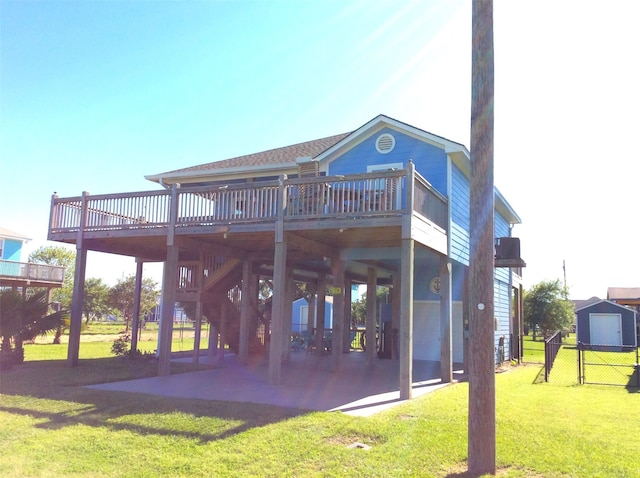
<point x="309" y="382"/>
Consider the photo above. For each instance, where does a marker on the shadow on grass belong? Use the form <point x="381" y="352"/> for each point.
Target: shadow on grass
<point x="35" y="384"/>
<point x="633" y="386"/>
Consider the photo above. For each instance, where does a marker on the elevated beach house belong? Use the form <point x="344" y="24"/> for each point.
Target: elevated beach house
<point x="386" y="204"/>
<point x="20" y="275"/>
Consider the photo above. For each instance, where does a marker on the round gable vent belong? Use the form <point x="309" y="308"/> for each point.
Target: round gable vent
<point x="385" y="143"/>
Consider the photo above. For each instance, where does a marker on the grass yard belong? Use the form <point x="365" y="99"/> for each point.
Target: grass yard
<point x="52" y="426"/>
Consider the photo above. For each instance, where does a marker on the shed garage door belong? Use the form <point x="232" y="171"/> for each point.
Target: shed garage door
<point x="606" y="329"/>
<point x="426" y="331"/>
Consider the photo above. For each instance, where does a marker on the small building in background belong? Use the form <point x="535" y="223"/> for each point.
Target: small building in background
<point x="605" y="325"/>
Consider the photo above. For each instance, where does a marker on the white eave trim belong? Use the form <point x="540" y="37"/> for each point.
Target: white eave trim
<point x="204" y="174"/>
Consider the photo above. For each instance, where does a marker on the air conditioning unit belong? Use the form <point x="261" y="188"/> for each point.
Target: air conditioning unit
<point x="507" y="248"/>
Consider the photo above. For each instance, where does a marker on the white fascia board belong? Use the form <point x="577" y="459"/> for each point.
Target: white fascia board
<point x="222" y="174"/>
<point x="503" y="206"/>
<point x="14" y="237"/>
<point x="462" y="159"/>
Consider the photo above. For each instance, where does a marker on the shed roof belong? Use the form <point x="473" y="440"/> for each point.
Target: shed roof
<point x="613" y="304"/>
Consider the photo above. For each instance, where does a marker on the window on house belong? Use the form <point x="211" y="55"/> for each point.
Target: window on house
<point x="1" y="248"/>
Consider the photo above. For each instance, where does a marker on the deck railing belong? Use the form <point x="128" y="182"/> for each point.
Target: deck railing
<point x="30" y="271"/>
<point x="360" y="195"/>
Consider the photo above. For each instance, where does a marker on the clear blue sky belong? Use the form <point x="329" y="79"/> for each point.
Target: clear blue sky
<point x="96" y="94"/>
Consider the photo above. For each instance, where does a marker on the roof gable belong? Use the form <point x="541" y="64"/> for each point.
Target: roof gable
<point x="380" y="122"/>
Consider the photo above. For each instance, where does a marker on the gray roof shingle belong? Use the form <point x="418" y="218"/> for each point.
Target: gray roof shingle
<point x="286" y="154"/>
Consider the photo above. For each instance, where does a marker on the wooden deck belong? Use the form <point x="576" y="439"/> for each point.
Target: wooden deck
<point x="27" y="274"/>
<point x="336" y="212"/>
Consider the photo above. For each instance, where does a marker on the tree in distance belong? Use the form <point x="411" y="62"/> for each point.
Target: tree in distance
<point x="547" y="308"/>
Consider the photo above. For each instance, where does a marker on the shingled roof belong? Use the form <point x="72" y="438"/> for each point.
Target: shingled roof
<point x="284" y="155"/>
<point x="9" y="234"/>
<point x="618" y="293"/>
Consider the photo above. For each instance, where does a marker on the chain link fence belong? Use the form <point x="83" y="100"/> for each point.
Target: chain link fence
<point x="581" y="363"/>
<point x="608" y="365"/>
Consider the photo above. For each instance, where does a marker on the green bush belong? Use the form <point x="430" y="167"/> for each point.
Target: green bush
<point x="120" y="348"/>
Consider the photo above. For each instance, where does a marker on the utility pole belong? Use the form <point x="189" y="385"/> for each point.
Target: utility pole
<point x="482" y="409"/>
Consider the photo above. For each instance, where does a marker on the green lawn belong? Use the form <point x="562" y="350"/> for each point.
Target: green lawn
<point x="51" y="426"/>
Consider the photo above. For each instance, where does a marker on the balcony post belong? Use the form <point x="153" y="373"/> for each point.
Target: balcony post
<point x="169" y="284"/>
<point x="406" y="290"/>
<point x="406" y="318"/>
<point x="279" y="289"/>
<point x="337" y="340"/>
<point x="135" y="322"/>
<point x="77" y="302"/>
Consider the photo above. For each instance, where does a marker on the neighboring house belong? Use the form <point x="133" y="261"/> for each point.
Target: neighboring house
<point x="11" y="245"/>
<point x="386" y="204"/>
<point x="20" y="275"/>
<point x="629" y="296"/>
<point x="605" y="325"/>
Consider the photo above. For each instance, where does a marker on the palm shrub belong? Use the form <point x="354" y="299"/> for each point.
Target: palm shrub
<point x="23" y="318"/>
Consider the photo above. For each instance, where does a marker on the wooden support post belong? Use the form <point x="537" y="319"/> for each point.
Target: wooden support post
<point x="406" y="319"/>
<point x="482" y="402"/>
<point x="406" y="290"/>
<point x="198" y="332"/>
<point x="277" y="312"/>
<point x="224" y="311"/>
<point x="337" y="333"/>
<point x="168" y="307"/>
<point x="311" y="309"/>
<point x="346" y="337"/>
<point x="287" y="314"/>
<point x="75" y="327"/>
<point x="446" y="360"/>
<point x="245" y="311"/>
<point x="395" y="317"/>
<point x="370" y="320"/>
<point x="137" y="296"/>
<point x="279" y="288"/>
<point x="212" y="350"/>
<point x="322" y="308"/>
<point x="169" y="286"/>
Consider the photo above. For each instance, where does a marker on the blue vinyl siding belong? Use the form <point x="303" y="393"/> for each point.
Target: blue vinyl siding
<point x="459" y="216"/>
<point x="501" y="229"/>
<point x="502" y="312"/>
<point x="12" y="250"/>
<point x="430" y="161"/>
